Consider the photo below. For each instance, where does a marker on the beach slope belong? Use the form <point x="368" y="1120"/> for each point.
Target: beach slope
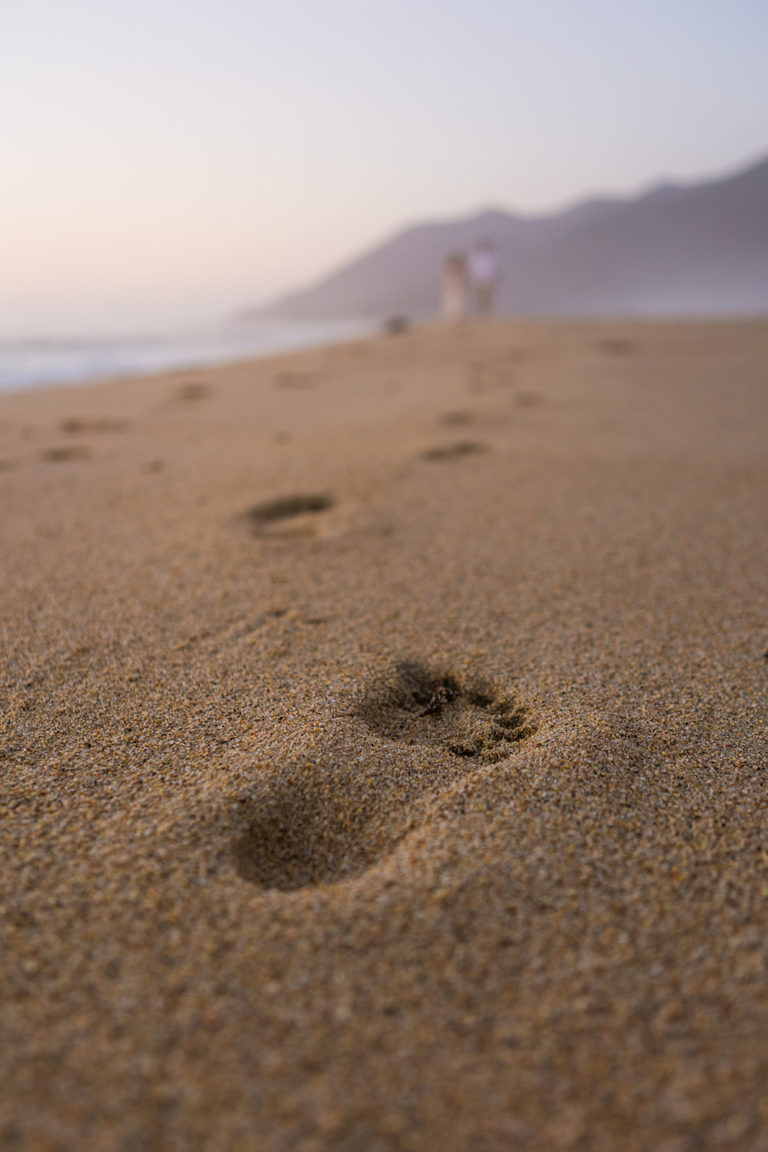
<point x="383" y="747"/>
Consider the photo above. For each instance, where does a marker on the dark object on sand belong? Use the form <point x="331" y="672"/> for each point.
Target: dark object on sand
<point x="192" y="390"/>
<point x="396" y="325"/>
<point x="284" y="507"/>
<point x="455" y="451"/>
<point x="77" y="424"/>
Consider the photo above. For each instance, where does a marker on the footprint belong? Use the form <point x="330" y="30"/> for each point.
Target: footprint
<point x="77" y="424"/>
<point x="67" y="452"/>
<point x="295" y="380"/>
<point x="293" y="515"/>
<point x="311" y="824"/>
<point x="422" y="705"/>
<point x="455" y="451"/>
<point x="485" y="377"/>
<point x="192" y="390"/>
<point x="331" y="819"/>
<point x="528" y="399"/>
<point x="457" y="419"/>
<point x="617" y="347"/>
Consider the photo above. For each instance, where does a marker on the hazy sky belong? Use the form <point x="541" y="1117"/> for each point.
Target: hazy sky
<point x="176" y="159"/>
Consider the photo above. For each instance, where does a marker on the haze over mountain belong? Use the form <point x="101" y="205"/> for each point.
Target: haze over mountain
<point x="676" y="249"/>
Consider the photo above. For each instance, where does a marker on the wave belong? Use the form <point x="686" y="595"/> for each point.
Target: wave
<point x="41" y="361"/>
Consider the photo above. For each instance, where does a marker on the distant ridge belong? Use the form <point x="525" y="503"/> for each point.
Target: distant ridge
<point x="676" y="249"/>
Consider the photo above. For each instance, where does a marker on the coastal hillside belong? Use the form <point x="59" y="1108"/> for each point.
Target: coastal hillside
<point x="694" y="248"/>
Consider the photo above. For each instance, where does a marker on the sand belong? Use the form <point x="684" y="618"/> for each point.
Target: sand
<point x="384" y="748"/>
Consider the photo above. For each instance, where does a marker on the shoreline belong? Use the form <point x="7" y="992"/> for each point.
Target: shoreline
<point x="27" y="364"/>
<point x="305" y="337"/>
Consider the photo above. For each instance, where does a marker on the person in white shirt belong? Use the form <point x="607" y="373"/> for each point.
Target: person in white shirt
<point x="483" y="276"/>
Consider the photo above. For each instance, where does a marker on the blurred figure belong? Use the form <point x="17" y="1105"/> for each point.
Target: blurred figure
<point x="454" y="286"/>
<point x="483" y="276"/>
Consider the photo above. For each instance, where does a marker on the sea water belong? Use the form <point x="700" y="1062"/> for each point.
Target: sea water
<point x="31" y="363"/>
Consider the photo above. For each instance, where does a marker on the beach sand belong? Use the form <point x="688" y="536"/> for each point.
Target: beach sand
<point x="384" y="748"/>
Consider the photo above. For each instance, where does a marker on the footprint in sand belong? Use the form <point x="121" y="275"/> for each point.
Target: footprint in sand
<point x="331" y="819"/>
<point x="67" y="452"/>
<point x="76" y="425"/>
<point x="617" y="347"/>
<point x="299" y="380"/>
<point x="528" y="399"/>
<point x="459" y="418"/>
<point x="192" y="390"/>
<point x="422" y="705"/>
<point x="298" y="514"/>
<point x="455" y="451"/>
<point x="310" y="824"/>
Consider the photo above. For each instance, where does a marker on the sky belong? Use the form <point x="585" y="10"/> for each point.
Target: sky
<point x="171" y="162"/>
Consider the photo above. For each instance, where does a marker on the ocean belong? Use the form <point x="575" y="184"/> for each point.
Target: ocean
<point x="38" y="362"/>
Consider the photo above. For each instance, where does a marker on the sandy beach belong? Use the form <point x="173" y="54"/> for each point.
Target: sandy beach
<point x="383" y="745"/>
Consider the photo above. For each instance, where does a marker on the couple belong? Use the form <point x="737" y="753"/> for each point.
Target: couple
<point x="475" y="276"/>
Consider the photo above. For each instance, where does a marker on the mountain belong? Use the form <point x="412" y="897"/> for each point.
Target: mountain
<point x="697" y="248"/>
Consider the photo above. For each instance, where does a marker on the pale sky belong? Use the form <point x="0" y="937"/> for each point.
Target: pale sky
<point x="172" y="161"/>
